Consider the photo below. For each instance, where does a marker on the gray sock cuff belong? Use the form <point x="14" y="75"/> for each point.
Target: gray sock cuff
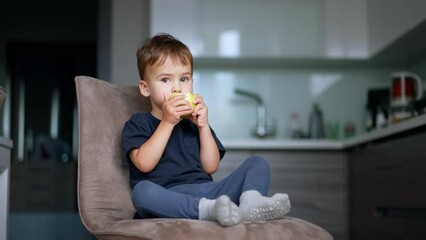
<point x="249" y="194"/>
<point x="205" y="207"/>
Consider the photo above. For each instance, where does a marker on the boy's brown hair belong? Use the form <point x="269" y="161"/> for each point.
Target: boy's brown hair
<point x="158" y="48"/>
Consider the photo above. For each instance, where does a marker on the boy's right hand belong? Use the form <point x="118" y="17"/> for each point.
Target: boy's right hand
<point x="174" y="108"/>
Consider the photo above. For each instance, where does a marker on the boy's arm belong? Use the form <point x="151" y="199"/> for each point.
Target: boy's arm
<point x="147" y="156"/>
<point x="209" y="151"/>
<point x="153" y="149"/>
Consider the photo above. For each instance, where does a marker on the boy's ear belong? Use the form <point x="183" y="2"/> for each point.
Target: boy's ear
<point x="143" y="88"/>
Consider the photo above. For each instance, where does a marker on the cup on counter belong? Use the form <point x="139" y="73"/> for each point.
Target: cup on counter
<point x="333" y="130"/>
<point x="349" y="129"/>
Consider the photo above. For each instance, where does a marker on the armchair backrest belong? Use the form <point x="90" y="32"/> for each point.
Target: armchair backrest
<point x="103" y="183"/>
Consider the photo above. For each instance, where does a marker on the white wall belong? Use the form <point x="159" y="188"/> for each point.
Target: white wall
<point x="129" y="28"/>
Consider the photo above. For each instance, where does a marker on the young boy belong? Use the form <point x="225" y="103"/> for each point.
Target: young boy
<point x="172" y="151"/>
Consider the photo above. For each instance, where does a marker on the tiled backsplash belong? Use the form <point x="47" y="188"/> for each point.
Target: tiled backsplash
<point x="341" y="94"/>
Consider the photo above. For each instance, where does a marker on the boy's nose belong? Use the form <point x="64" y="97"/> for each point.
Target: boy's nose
<point x="176" y="89"/>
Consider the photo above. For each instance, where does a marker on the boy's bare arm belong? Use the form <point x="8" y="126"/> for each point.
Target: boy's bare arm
<point x="146" y="157"/>
<point x="209" y="152"/>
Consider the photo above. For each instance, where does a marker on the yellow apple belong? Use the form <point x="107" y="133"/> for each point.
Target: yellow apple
<point x="189" y="96"/>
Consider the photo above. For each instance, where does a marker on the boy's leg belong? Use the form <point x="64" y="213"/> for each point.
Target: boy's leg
<point x="248" y="186"/>
<point x="151" y="199"/>
<point x="253" y="201"/>
<point x="253" y="174"/>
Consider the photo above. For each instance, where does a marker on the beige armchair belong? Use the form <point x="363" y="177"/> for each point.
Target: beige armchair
<point x="104" y="200"/>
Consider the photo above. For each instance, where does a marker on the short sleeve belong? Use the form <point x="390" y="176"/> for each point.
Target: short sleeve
<point x="136" y="131"/>
<point x="221" y="148"/>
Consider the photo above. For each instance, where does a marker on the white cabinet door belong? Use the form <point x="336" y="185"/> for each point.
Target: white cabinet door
<point x="346" y="33"/>
<point x="236" y="28"/>
<point x="269" y="28"/>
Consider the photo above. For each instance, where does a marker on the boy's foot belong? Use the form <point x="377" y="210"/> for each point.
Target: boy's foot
<point x="226" y="212"/>
<point x="255" y="207"/>
<point x="222" y="210"/>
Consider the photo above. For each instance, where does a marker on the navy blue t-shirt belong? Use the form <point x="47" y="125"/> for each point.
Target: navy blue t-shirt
<point x="180" y="162"/>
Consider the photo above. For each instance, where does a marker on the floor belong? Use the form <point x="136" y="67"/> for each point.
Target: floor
<point x="47" y="226"/>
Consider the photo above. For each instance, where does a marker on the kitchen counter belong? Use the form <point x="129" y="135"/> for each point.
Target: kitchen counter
<point x="325" y="144"/>
<point x="334" y="183"/>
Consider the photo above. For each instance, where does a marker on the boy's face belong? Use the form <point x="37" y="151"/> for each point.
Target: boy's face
<point x="162" y="80"/>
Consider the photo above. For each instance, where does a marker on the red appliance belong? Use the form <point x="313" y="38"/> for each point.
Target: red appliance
<point x="406" y="89"/>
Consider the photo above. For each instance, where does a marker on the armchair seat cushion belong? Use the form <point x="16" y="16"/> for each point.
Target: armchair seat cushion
<point x="166" y="228"/>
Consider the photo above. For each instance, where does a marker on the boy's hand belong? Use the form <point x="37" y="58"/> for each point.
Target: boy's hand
<point x="174" y="108"/>
<point x="200" y="114"/>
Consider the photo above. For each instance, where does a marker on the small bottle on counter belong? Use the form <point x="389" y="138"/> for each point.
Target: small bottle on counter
<point x="349" y="129"/>
<point x="295" y="129"/>
<point x="380" y="118"/>
<point x="316" y="122"/>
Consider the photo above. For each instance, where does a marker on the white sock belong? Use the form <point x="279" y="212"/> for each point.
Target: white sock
<point x="222" y="210"/>
<point x="255" y="207"/>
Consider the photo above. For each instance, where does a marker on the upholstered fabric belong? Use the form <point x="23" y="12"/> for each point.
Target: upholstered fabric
<point x="104" y="198"/>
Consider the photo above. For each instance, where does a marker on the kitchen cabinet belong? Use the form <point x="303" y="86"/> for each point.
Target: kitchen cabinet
<point x="389" y="20"/>
<point x="43" y="187"/>
<point x="366" y="187"/>
<point x="316" y="182"/>
<point x="309" y="29"/>
<point x="288" y="29"/>
<point x="387" y="182"/>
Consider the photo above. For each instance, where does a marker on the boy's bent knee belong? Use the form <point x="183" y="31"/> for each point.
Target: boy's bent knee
<point x="144" y="190"/>
<point x="144" y="186"/>
<point x="258" y="161"/>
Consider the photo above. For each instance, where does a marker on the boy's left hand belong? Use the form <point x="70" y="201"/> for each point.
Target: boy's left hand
<point x="200" y="114"/>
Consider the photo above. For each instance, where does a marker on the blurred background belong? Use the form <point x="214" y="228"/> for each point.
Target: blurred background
<point x="335" y="54"/>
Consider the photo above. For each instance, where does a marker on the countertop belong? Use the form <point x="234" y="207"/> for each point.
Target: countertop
<point x="4" y="142"/>
<point x="325" y="144"/>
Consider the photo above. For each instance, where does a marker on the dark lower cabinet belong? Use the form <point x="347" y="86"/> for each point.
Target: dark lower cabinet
<point x="49" y="186"/>
<point x="316" y="182"/>
<point x="388" y="189"/>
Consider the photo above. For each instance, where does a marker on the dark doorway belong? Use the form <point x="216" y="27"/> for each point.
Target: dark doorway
<point x="44" y="73"/>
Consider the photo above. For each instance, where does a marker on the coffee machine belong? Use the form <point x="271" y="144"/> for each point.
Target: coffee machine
<point x="377" y="108"/>
<point x="406" y="89"/>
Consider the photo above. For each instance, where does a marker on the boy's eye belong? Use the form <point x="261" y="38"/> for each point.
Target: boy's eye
<point x="184" y="79"/>
<point x="165" y="80"/>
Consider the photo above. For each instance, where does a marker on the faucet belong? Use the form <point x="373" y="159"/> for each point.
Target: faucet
<point x="261" y="130"/>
